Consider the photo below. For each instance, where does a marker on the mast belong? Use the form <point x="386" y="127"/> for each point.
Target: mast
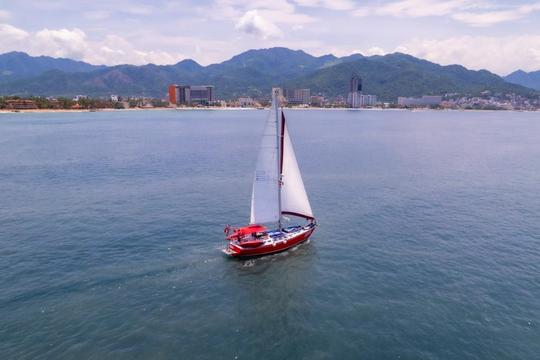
<point x="279" y="152"/>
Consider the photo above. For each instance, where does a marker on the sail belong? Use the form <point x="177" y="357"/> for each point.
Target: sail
<point x="294" y="200"/>
<point x="265" y="194"/>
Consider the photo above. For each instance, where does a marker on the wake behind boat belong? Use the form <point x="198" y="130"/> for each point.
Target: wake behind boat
<point x="278" y="191"/>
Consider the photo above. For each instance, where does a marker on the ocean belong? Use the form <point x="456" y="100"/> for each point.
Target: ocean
<point x="111" y="225"/>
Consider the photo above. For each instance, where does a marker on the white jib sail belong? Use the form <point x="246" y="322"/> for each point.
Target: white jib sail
<point x="265" y="195"/>
<point x="293" y="193"/>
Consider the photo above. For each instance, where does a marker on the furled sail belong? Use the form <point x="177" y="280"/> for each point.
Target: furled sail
<point x="294" y="200"/>
<point x="265" y="194"/>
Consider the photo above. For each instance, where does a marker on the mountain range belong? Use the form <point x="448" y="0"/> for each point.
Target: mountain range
<point x="18" y="65"/>
<point x="251" y="73"/>
<point x="527" y="79"/>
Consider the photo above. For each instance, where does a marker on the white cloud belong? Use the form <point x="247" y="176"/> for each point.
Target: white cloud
<point x="254" y="24"/>
<point x="329" y="4"/>
<point x="375" y="50"/>
<point x="415" y="8"/>
<point x="9" y="33"/>
<point x="61" y="43"/>
<point x="418" y="8"/>
<point x="474" y="13"/>
<point x="275" y="12"/>
<point x="74" y="44"/>
<point x="289" y="18"/>
<point x="494" y="17"/>
<point x="4" y="15"/>
<point x="501" y="55"/>
<point x="115" y="49"/>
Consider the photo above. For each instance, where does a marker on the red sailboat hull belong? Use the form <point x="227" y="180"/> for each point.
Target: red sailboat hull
<point x="274" y="244"/>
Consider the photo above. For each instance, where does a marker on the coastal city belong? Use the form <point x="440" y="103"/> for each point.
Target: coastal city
<point x="290" y="179"/>
<point x="203" y="96"/>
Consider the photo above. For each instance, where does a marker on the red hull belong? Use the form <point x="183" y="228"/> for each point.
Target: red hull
<point x="236" y="249"/>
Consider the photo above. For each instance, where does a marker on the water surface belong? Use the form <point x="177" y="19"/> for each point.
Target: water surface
<point x="428" y="245"/>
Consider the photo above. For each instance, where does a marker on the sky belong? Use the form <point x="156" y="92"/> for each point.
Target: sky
<point x="500" y="36"/>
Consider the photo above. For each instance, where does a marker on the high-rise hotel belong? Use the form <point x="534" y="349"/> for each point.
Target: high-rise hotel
<point x="190" y="94"/>
<point x="355" y="91"/>
<point x="356" y="98"/>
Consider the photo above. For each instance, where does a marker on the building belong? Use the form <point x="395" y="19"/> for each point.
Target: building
<point x="288" y="94"/>
<point x="279" y="92"/>
<point x="302" y="96"/>
<point x="318" y="101"/>
<point x="246" y="102"/>
<point x="80" y="97"/>
<point x="431" y="100"/>
<point x="426" y="100"/>
<point x="191" y="94"/>
<point x="355" y="91"/>
<point x="368" y="100"/>
<point x="183" y="95"/>
<point x="201" y="94"/>
<point x="54" y="103"/>
<point x="173" y="97"/>
<point x="20" y="104"/>
<point x="356" y="98"/>
<point x="297" y="96"/>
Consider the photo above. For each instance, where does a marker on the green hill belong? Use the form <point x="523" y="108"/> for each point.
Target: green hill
<point x="398" y="74"/>
<point x="527" y="79"/>
<point x="18" y="65"/>
<point x="253" y="73"/>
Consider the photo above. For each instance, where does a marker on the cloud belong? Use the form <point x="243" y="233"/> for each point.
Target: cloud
<point x="4" y="15"/>
<point x="329" y="4"/>
<point x="494" y="17"/>
<point x="474" y="13"/>
<point x="11" y="33"/>
<point x="415" y="8"/>
<point x="115" y="49"/>
<point x="74" y="44"/>
<point x="418" y="8"/>
<point x="61" y="43"/>
<point x="501" y="55"/>
<point x="276" y="12"/>
<point x="254" y="24"/>
<point x="375" y="50"/>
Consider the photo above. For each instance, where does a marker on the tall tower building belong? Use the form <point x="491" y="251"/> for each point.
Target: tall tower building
<point x="355" y="91"/>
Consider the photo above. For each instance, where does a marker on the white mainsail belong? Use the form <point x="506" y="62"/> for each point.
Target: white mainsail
<point x="294" y="198"/>
<point x="265" y="194"/>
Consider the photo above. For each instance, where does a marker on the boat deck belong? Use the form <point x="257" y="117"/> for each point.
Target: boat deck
<point x="275" y="237"/>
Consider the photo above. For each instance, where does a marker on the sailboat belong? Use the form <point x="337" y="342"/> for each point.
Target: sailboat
<point x="278" y="192"/>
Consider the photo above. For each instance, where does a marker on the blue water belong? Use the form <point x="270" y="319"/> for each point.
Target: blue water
<point x="428" y="245"/>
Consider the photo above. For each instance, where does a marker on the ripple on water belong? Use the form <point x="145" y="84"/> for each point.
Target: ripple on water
<point x="111" y="230"/>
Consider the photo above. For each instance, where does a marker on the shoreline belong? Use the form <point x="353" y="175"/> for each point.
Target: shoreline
<point x="4" y="111"/>
<point x="54" y="111"/>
